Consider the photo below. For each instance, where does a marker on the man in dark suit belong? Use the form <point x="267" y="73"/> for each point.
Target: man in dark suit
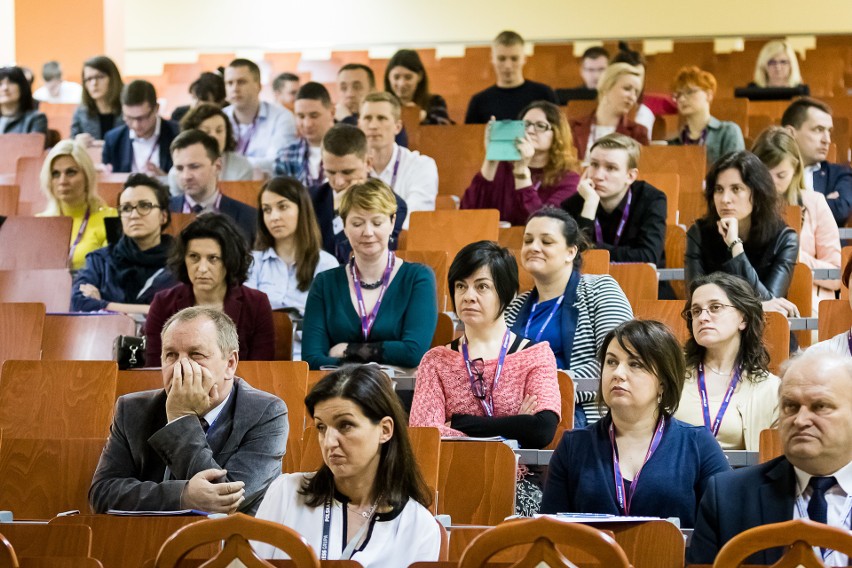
<point x="197" y="162"/>
<point x="208" y="441"/>
<point x="141" y="144"/>
<point x="812" y="480"/>
<point x="810" y="122"/>
<point x="345" y="161"/>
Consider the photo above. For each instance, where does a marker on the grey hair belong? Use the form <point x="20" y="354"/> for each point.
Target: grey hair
<point x="226" y="332"/>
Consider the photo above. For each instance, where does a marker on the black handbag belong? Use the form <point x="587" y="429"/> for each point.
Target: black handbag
<point x="129" y="351"/>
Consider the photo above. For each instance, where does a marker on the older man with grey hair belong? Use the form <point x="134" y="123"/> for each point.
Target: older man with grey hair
<point x="812" y="480"/>
<point x="207" y="441"/>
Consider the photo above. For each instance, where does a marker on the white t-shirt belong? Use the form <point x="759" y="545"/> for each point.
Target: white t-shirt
<point x="838" y="344"/>
<point x="395" y="539"/>
<point x="416" y="179"/>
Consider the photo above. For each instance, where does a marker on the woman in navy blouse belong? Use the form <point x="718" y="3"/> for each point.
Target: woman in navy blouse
<point x="638" y="460"/>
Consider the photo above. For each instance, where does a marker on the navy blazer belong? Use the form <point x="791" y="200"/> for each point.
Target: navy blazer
<point x="118" y="149"/>
<point x="739" y="500"/>
<point x="337" y="244"/>
<point x="244" y="216"/>
<point x="832" y="178"/>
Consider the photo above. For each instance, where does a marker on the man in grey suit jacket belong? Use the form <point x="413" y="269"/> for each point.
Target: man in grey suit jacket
<point x="208" y="441"/>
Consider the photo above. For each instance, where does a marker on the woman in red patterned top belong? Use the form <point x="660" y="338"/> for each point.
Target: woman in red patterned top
<point x="489" y="382"/>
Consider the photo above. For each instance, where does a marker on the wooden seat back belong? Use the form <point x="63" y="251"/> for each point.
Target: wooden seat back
<point x="770" y="446"/>
<point x="284" y="332"/>
<point x="14" y="146"/>
<point x="21" y="331"/>
<point x="692" y="205"/>
<point x="9" y="196"/>
<point x="776" y="338"/>
<point x="458" y="151"/>
<point x="439" y="262"/>
<point x="638" y="280"/>
<point x="445" y="330"/>
<point x="689" y="162"/>
<point x="51" y="287"/>
<point x="835" y="316"/>
<point x="137" y="380"/>
<point x="664" y="311"/>
<point x="801" y="294"/>
<point x="668" y="183"/>
<point x="243" y="191"/>
<point x="178" y="222"/>
<point x="451" y="230"/>
<point x="48" y="540"/>
<point x="35" y="243"/>
<point x="32" y="199"/>
<point x="83" y="337"/>
<point x="676" y="256"/>
<point x="566" y="420"/>
<point x="595" y="261"/>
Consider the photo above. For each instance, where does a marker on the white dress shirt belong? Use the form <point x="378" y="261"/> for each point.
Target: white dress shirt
<point x="145" y="147"/>
<point x="809" y="175"/>
<point x="416" y="180"/>
<point x="838" y="499"/>
<point x="275" y="129"/>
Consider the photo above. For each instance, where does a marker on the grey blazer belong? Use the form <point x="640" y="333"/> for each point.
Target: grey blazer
<point x="248" y="439"/>
<point x="723" y="137"/>
<point x="29" y="121"/>
<point x="85" y="121"/>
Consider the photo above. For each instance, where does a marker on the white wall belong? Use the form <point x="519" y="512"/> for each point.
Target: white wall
<point x="7" y="32"/>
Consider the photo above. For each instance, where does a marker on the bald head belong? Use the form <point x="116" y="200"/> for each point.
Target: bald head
<point x="815" y="412"/>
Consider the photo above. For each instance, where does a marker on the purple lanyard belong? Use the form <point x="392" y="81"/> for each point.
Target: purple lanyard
<point x="488" y="402"/>
<point x="367" y="321"/>
<point x="245" y="139"/>
<point x="705" y="402"/>
<point x="626" y="496"/>
<point x="547" y="321"/>
<point x="80" y="231"/>
<point x="687" y="141"/>
<point x="151" y="155"/>
<point x="188" y="209"/>
<point x="620" y="229"/>
<point x="306" y="166"/>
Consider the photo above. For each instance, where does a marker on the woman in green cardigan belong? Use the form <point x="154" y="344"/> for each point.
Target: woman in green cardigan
<point x="375" y="308"/>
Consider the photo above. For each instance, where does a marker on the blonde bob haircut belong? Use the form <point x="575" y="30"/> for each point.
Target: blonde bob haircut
<point x="373" y="195"/>
<point x="613" y="73"/>
<point x="770" y="50"/>
<point x="771" y="147"/>
<point x="77" y="153"/>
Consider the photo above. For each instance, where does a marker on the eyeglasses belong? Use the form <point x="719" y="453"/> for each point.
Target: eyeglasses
<point x="778" y="62"/>
<point x="685" y="93"/>
<point x="538" y="127"/>
<point x="477" y="366"/>
<point x="695" y="312"/>
<point x="144" y="117"/>
<point x="94" y="78"/>
<point x="143" y="207"/>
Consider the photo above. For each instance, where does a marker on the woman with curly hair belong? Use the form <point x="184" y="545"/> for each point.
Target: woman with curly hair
<point x="729" y="389"/>
<point x="546" y="174"/>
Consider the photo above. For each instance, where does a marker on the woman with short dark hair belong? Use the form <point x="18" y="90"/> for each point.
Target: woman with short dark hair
<point x="743" y="233"/>
<point x="211" y="260"/>
<point x="597" y="469"/>
<point x="18" y="112"/>
<point x="123" y="277"/>
<point x="491" y="381"/>
<point x="729" y="389"/>
<point x="368" y="500"/>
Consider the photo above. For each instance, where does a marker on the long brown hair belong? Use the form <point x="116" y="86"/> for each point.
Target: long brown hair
<point x="562" y="156"/>
<point x="308" y="237"/>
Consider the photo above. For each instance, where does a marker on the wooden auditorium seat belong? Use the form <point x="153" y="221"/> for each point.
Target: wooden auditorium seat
<point x="675" y="248"/>
<point x="595" y="261"/>
<point x="445" y="330"/>
<point x="32" y="200"/>
<point x="285" y="330"/>
<point x="35" y="242"/>
<point x="664" y="311"/>
<point x="9" y="196"/>
<point x="178" y="223"/>
<point x="439" y="262"/>
<point x="137" y="380"/>
<point x="638" y="280"/>
<point x="14" y="146"/>
<point x="458" y="150"/>
<point x="34" y="540"/>
<point x="566" y="421"/>
<point x="776" y="337"/>
<point x="769" y="445"/>
<point x="792" y="215"/>
<point x="692" y="205"/>
<point x="451" y="230"/>
<point x="59" y="116"/>
<point x="51" y="287"/>
<point x="243" y="191"/>
<point x="21" y="331"/>
<point x="689" y="162"/>
<point x="835" y="317"/>
<point x="801" y="294"/>
<point x="668" y="183"/>
<point x="83" y="337"/>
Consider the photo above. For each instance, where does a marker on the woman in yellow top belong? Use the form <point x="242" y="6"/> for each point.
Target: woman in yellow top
<point x="69" y="180"/>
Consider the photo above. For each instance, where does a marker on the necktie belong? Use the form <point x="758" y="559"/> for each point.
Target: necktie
<point x="205" y="426"/>
<point x="817" y="507"/>
<point x="197" y="208"/>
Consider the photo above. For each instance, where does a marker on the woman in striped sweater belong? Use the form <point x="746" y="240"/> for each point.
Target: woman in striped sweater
<point x="573" y="312"/>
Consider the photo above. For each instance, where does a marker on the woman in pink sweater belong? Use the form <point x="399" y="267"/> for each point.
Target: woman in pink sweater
<point x="489" y="382"/>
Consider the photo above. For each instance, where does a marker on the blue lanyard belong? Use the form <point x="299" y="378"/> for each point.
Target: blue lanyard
<point x="487" y="402"/>
<point x="547" y="321"/>
<point x="626" y="496"/>
<point x="618" y="232"/>
<point x="705" y="401"/>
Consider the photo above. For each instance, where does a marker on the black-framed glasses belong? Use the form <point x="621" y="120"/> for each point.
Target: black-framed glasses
<point x="143" y="207"/>
<point x="538" y="126"/>
<point x="477" y="367"/>
<point x="713" y="309"/>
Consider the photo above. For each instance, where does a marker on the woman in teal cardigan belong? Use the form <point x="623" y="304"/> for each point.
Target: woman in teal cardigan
<point x="375" y="308"/>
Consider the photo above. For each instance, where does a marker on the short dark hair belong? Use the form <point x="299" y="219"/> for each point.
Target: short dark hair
<point x="161" y="192"/>
<point x="248" y="63"/>
<point x="595" y="52"/>
<point x="308" y="238"/>
<point x="657" y="348"/>
<point x="279" y="81"/>
<point x="371" y="77"/>
<point x="398" y="478"/>
<point x="315" y="92"/>
<point x="345" y="139"/>
<point x="51" y="70"/>
<point x="108" y="67"/>
<point x="209" y="88"/>
<point x="629" y="56"/>
<point x="191" y="137"/>
<point x="797" y="112"/>
<point x="16" y="76"/>
<point x="766" y="218"/>
<point x="236" y="256"/>
<point x="574" y="237"/>
<point x="508" y="37"/>
<point x="139" y="92"/>
<point x="752" y="355"/>
<point x="410" y="59"/>
<point x="501" y="263"/>
<point x="201" y="112"/>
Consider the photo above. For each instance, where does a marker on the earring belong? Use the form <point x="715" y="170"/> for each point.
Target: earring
<point x="659" y="398"/>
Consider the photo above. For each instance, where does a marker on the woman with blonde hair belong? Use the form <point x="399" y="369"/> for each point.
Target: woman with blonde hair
<point x="618" y="92"/>
<point x="777" y="66"/>
<point x="69" y="180"/>
<point x="819" y="238"/>
<point x="546" y="174"/>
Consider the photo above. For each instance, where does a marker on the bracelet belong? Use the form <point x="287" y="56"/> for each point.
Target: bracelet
<point x="736" y="242"/>
<point x="523" y="175"/>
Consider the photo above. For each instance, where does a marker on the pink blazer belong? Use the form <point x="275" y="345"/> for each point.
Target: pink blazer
<point x="819" y="242"/>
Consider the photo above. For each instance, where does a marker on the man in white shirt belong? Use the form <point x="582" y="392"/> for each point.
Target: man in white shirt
<point x="55" y="90"/>
<point x="812" y="480"/>
<point x="412" y="176"/>
<point x="261" y="129"/>
<point x="314" y="117"/>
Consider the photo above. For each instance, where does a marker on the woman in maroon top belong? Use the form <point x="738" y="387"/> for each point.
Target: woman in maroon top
<point x="546" y="174"/>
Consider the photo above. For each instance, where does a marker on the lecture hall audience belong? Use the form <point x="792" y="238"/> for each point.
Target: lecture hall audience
<point x="208" y="88"/>
<point x="100" y="110"/>
<point x="69" y="181"/>
<point x="123" y="277"/>
<point x="18" y="114"/>
<point x="545" y="174"/>
<point x="729" y="389"/>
